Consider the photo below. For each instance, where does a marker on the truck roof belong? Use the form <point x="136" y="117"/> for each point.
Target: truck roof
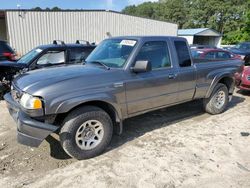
<point x="63" y="45"/>
<point x="146" y="37"/>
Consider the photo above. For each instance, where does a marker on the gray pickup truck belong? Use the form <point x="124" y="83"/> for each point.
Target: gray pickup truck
<point x="123" y="77"/>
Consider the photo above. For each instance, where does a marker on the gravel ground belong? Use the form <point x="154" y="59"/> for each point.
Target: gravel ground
<point x="179" y="146"/>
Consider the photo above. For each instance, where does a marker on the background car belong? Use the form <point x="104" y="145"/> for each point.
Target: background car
<point x="213" y="54"/>
<point x="243" y="80"/>
<point x="56" y="54"/>
<point x="199" y="46"/>
<point x="6" y="52"/>
<point x="242" y="49"/>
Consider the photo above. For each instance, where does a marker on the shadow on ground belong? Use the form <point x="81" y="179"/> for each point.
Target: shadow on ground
<point x="140" y="125"/>
<point x="244" y="92"/>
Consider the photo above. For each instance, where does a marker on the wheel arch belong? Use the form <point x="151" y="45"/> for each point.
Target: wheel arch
<point x="226" y="79"/>
<point x="109" y="108"/>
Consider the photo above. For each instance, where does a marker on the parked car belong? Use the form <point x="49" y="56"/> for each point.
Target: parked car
<point x="200" y="46"/>
<point x="56" y="54"/>
<point x="6" y="52"/>
<point x="242" y="49"/>
<point x="213" y="54"/>
<point x="243" y="80"/>
<point x="123" y="77"/>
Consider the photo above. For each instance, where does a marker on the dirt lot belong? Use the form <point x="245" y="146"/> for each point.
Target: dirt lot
<point x="176" y="147"/>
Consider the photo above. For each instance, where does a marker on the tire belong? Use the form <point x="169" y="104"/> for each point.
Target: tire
<point x="78" y="135"/>
<point x="218" y="101"/>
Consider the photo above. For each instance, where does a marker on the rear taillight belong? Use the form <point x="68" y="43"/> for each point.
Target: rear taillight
<point x="10" y="56"/>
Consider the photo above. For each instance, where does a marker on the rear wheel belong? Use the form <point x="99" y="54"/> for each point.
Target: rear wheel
<point x="218" y="101"/>
<point x="86" y="132"/>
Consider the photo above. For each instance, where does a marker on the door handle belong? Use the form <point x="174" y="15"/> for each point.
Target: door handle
<point x="172" y="76"/>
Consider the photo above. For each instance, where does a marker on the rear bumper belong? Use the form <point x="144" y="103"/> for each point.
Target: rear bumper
<point x="30" y="132"/>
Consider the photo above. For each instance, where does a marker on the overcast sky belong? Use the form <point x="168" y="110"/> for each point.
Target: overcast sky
<point x="70" y="4"/>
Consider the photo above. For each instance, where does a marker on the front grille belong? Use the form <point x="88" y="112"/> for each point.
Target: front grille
<point x="16" y="93"/>
<point x="248" y="77"/>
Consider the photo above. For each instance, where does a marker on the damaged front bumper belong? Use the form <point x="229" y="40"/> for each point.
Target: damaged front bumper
<point x="30" y="132"/>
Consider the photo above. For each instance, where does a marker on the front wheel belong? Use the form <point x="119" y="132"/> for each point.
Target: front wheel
<point x="86" y="132"/>
<point x="218" y="101"/>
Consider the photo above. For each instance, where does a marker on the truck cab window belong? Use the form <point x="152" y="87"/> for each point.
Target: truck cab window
<point x="52" y="57"/>
<point x="156" y="52"/>
<point x="183" y="54"/>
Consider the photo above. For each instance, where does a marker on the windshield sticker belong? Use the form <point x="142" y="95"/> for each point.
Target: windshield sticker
<point x="128" y="42"/>
<point x="38" y="50"/>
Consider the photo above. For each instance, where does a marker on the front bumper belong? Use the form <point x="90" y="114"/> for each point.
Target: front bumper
<point x="30" y="132"/>
<point x="243" y="84"/>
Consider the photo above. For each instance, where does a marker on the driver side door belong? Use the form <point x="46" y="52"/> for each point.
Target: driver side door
<point x="156" y="88"/>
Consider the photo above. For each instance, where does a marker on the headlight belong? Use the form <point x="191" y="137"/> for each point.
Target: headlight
<point x="29" y="102"/>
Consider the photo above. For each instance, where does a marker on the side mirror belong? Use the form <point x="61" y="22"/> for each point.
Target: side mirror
<point x="141" y="66"/>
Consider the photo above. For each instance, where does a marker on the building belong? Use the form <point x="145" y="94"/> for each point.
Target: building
<point x="203" y="36"/>
<point x="25" y="29"/>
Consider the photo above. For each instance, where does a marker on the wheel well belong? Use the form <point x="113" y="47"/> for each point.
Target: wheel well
<point x="108" y="108"/>
<point x="229" y="82"/>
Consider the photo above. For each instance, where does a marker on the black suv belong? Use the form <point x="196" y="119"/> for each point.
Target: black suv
<point x="6" y="52"/>
<point x="56" y="54"/>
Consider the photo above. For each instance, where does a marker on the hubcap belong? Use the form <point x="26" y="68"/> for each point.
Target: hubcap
<point x="89" y="134"/>
<point x="220" y="99"/>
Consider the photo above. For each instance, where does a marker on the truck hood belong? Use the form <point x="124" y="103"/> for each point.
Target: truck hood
<point x="62" y="79"/>
<point x="12" y="64"/>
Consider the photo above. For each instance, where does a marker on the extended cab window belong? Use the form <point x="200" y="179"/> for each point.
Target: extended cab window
<point x="183" y="54"/>
<point x="78" y="55"/>
<point x="156" y="52"/>
<point x="52" y="57"/>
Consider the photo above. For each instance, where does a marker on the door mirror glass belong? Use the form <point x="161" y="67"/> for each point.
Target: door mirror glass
<point x="142" y="66"/>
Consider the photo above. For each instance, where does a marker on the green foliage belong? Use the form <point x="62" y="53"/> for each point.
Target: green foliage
<point x="229" y="17"/>
<point x="53" y="9"/>
<point x="37" y="8"/>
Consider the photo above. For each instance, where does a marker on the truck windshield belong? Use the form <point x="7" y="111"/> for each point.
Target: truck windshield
<point x="112" y="52"/>
<point x="29" y="56"/>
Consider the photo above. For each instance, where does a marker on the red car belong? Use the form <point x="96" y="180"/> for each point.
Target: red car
<point x="243" y="80"/>
<point x="213" y="54"/>
<point x="6" y="52"/>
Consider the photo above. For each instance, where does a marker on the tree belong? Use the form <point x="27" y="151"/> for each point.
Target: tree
<point x="228" y="17"/>
<point x="37" y="8"/>
<point x="47" y="8"/>
<point x="56" y="8"/>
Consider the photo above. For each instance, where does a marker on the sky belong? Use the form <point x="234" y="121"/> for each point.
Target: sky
<point x="116" y="5"/>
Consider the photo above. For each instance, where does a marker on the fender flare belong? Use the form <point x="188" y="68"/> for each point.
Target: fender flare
<point x="71" y="103"/>
<point x="216" y="80"/>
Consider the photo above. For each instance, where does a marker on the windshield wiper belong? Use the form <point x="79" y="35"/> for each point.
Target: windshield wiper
<point x="101" y="63"/>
